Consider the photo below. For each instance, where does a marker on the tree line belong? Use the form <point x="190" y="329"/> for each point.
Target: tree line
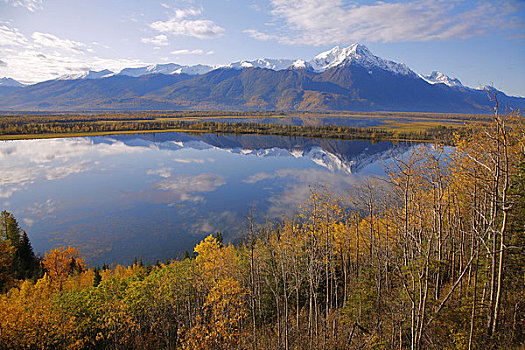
<point x="433" y="257"/>
<point x="437" y="133"/>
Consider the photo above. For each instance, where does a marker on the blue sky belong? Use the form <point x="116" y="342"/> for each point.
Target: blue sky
<point x="479" y="42"/>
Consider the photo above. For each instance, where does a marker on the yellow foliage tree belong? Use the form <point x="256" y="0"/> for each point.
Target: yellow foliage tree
<point x="221" y="325"/>
<point x="214" y="261"/>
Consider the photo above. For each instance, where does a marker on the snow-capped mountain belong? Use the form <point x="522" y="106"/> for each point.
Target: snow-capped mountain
<point x="300" y="64"/>
<point x="353" y="54"/>
<point x="439" y="78"/>
<point x="197" y="69"/>
<point x="167" y="68"/>
<point x="8" y="82"/>
<point x="349" y="78"/>
<point x="356" y="54"/>
<point x="267" y="63"/>
<point x="487" y="88"/>
<point x="91" y="74"/>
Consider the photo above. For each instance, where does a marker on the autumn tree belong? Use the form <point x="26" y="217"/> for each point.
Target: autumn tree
<point x="222" y="323"/>
<point x="62" y="262"/>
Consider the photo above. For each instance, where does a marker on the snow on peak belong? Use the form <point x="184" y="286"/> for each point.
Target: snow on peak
<point x="300" y="64"/>
<point x="91" y="74"/>
<point x="10" y="82"/>
<point x="437" y="77"/>
<point x="193" y="70"/>
<point x="487" y="88"/>
<point x="167" y="68"/>
<point x="267" y="63"/>
<point x="356" y="54"/>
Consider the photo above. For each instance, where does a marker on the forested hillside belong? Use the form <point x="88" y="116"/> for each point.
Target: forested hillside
<point x="432" y="257"/>
<point x="348" y="87"/>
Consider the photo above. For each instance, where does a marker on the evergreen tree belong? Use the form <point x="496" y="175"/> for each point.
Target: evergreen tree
<point x="26" y="263"/>
<point x="219" y="238"/>
<point x="97" y="278"/>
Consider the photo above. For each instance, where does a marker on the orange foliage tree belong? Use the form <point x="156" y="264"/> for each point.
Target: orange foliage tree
<point x="62" y="262"/>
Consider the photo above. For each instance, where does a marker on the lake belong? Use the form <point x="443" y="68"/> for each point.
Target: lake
<point x="152" y="196"/>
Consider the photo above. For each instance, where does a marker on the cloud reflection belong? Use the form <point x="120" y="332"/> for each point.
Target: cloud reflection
<point x="162" y="172"/>
<point x="189" y="183"/>
<point x="189" y="160"/>
<point x="299" y="185"/>
<point x="42" y="209"/>
<point x="179" y="189"/>
<point x="26" y="161"/>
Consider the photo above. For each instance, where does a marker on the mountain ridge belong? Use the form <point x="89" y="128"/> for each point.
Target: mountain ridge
<point x="350" y="78"/>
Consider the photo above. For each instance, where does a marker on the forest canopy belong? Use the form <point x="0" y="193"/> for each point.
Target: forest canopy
<point x="431" y="258"/>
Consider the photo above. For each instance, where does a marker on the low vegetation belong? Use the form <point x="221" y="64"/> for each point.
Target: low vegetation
<point x="432" y="258"/>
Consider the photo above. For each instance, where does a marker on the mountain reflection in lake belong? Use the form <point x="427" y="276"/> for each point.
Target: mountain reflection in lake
<point x="155" y="195"/>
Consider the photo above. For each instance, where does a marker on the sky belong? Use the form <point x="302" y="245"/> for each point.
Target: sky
<point x="478" y="42"/>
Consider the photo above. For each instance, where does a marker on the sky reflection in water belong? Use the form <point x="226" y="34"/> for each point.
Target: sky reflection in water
<point x="155" y="195"/>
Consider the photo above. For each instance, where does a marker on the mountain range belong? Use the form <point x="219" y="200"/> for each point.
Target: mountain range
<point x="350" y="78"/>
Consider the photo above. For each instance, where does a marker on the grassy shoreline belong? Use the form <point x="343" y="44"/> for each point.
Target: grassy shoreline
<point x="394" y="126"/>
<point x="87" y="134"/>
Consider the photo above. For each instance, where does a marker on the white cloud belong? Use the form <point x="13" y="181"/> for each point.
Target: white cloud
<point x="322" y="22"/>
<point x="189" y="160"/>
<point x="177" y="25"/>
<point x="11" y="36"/>
<point x="44" y="56"/>
<point x="187" y="52"/>
<point x="31" y="5"/>
<point x="201" y="29"/>
<point x="160" y="40"/>
<point x="189" y="12"/>
<point x="52" y="41"/>
<point x="32" y="66"/>
<point x="260" y="36"/>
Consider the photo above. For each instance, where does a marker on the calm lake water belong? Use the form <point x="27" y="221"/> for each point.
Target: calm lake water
<point x="152" y="196"/>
